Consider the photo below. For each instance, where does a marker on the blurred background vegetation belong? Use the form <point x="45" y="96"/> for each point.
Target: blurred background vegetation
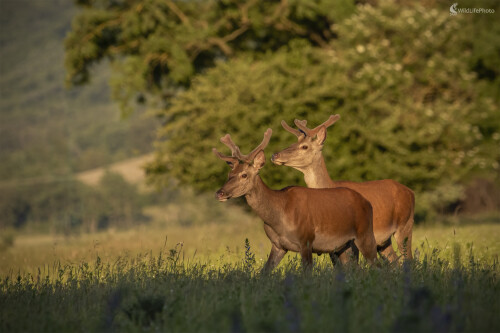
<point x="418" y="91"/>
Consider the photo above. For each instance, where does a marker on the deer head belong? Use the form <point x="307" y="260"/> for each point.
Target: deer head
<point x="244" y="168"/>
<point x="309" y="144"/>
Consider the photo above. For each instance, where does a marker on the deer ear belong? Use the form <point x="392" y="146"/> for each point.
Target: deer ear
<point x="259" y="160"/>
<point x="321" y="136"/>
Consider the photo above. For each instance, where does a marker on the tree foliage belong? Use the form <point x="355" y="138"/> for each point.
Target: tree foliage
<point x="410" y="110"/>
<point x="416" y="89"/>
<point x="157" y="46"/>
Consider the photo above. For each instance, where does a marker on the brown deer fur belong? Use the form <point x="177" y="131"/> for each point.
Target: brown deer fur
<point x="393" y="203"/>
<point x="296" y="218"/>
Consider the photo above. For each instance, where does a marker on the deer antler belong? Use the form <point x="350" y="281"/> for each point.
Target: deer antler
<point x="301" y="124"/>
<point x="262" y="146"/>
<point x="235" y="150"/>
<point x="295" y="132"/>
<point x="229" y="159"/>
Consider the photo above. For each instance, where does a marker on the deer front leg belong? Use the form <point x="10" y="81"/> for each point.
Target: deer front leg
<point x="274" y="258"/>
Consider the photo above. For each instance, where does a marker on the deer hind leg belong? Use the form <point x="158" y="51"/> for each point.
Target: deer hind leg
<point x="387" y="251"/>
<point x="306" y="254"/>
<point x="367" y="246"/>
<point x="403" y="237"/>
<point x="346" y="254"/>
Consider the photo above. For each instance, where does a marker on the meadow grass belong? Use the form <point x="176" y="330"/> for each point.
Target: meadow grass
<point x="205" y="279"/>
<point x="164" y="292"/>
<point x="211" y="242"/>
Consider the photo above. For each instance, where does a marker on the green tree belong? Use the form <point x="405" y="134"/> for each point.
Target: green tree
<point x="157" y="46"/>
<point x="417" y="92"/>
<point x="411" y="108"/>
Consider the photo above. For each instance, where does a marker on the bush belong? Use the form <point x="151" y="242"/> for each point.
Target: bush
<point x="71" y="206"/>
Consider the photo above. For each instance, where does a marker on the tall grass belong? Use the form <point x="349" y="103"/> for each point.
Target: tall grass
<point x="168" y="292"/>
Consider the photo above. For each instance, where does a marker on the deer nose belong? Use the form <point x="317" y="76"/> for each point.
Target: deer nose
<point x="275" y="156"/>
<point x="219" y="194"/>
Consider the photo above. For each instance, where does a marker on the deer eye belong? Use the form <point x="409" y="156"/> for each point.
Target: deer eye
<point x="304" y="147"/>
<point x="244" y="175"/>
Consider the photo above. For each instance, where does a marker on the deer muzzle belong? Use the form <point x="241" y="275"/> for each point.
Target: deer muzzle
<point x="221" y="195"/>
<point x="275" y="158"/>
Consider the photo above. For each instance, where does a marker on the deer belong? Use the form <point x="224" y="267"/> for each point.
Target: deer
<point x="393" y="203"/>
<point x="298" y="219"/>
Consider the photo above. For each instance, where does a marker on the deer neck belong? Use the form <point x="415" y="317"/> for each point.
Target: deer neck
<point x="267" y="203"/>
<point x="316" y="175"/>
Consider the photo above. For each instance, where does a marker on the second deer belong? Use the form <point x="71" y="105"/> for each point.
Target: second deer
<point x="296" y="218"/>
<point x="393" y="203"/>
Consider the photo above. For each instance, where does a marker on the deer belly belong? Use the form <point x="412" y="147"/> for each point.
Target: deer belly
<point x="290" y="244"/>
<point x="328" y="243"/>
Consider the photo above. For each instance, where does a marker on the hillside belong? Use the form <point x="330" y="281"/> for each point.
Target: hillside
<point x="131" y="169"/>
<point x="46" y="129"/>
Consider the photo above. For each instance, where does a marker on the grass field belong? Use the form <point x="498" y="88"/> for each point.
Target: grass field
<point x="205" y="278"/>
<point x="212" y="242"/>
